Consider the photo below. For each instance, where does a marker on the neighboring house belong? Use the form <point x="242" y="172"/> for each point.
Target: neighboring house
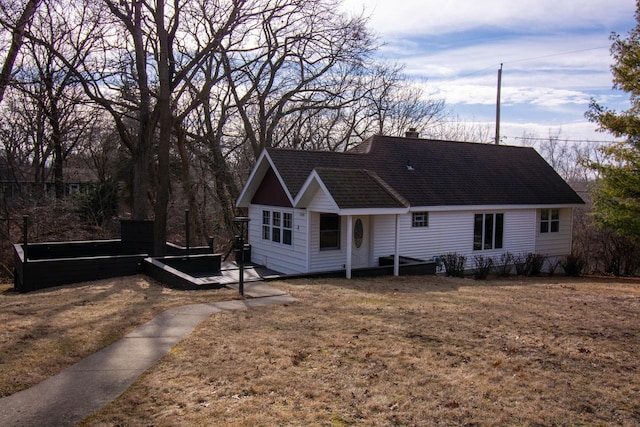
<point x="14" y="183"/>
<point x="316" y="211"/>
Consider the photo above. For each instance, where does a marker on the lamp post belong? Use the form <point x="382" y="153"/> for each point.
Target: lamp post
<point x="241" y="224"/>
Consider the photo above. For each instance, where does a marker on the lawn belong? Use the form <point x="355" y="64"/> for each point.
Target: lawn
<point x="396" y="351"/>
<point x="45" y="331"/>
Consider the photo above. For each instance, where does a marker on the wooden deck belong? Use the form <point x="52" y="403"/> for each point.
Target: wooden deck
<point x="229" y="274"/>
<point x="203" y="278"/>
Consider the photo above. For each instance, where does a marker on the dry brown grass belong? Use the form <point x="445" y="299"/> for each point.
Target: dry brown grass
<point x="46" y="331"/>
<point x="405" y="351"/>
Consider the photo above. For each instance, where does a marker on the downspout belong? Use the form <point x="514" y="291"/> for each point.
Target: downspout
<point x="308" y="260"/>
<point x="571" y="231"/>
<point x="349" y="244"/>
<point x="396" y="254"/>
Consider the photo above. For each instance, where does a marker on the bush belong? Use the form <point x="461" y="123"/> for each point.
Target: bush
<point x="454" y="264"/>
<point x="553" y="264"/>
<point x="506" y="264"/>
<point x="483" y="266"/>
<point x="529" y="264"/>
<point x="98" y="203"/>
<point x="520" y="263"/>
<point x="535" y="262"/>
<point x="573" y="265"/>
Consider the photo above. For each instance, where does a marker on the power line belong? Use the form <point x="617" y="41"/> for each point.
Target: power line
<point x="532" y="58"/>
<point x="526" y="138"/>
<point x="556" y="54"/>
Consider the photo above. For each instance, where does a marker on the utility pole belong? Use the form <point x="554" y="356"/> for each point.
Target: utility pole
<point x="497" y="141"/>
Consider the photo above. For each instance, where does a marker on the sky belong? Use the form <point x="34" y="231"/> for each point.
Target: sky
<point x="555" y="56"/>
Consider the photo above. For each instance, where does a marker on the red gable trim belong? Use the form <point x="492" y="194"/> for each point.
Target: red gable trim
<point x="270" y="192"/>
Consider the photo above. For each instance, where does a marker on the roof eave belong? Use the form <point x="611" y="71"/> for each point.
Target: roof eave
<point x="444" y="208"/>
<point x="373" y="211"/>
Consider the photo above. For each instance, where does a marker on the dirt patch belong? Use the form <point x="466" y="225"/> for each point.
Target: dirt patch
<point x="46" y="331"/>
<point x="405" y="351"/>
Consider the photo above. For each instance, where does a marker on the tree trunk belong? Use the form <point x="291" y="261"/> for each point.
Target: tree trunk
<point x="142" y="151"/>
<point x="165" y="118"/>
<point x="16" y="42"/>
<point x="58" y="166"/>
<point x="226" y="190"/>
<point x="141" y="180"/>
<point x="56" y="138"/>
<point x="195" y="224"/>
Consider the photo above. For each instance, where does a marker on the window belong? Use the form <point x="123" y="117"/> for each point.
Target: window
<point x="266" y="225"/>
<point x="329" y="231"/>
<point x="287" y="226"/>
<point x="277" y="226"/>
<point x="488" y="231"/>
<point x="420" y="219"/>
<point x="549" y="220"/>
<point x="275" y="229"/>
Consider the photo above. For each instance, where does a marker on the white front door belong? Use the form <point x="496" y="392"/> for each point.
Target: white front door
<point x="360" y="245"/>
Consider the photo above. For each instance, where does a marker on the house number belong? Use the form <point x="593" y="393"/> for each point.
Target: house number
<point x="358" y="233"/>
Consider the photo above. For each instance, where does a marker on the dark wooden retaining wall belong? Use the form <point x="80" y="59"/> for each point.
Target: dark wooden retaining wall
<point x="43" y="272"/>
<point x="60" y="263"/>
<point x="43" y="265"/>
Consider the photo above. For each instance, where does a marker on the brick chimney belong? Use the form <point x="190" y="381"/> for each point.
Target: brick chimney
<point x="411" y="133"/>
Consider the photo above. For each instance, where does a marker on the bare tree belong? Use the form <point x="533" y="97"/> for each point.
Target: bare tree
<point x="54" y="90"/>
<point x="455" y="129"/>
<point x="571" y="159"/>
<point x="286" y="62"/>
<point x="138" y="50"/>
<point x="213" y="82"/>
<point x="17" y="30"/>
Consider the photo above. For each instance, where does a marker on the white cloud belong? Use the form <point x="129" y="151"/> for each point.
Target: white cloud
<point x="437" y="16"/>
<point x="555" y="55"/>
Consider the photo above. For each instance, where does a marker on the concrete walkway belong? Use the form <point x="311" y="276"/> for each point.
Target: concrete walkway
<point x="82" y="389"/>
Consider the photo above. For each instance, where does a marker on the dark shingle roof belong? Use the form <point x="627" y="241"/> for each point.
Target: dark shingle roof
<point x="359" y="188"/>
<point x="443" y="173"/>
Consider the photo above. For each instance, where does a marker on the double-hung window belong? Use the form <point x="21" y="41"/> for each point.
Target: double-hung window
<point x="329" y="231"/>
<point x="549" y="220"/>
<point x="420" y="219"/>
<point x="488" y="231"/>
<point x="277" y="226"/>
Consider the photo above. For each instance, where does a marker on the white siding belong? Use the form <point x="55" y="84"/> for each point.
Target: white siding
<point x="287" y="259"/>
<point x="448" y="231"/>
<point x="327" y="260"/>
<point x="383" y="234"/>
<point x="452" y="232"/>
<point x="322" y="203"/>
<point x="555" y="244"/>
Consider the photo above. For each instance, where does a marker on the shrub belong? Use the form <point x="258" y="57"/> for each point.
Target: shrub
<point x="506" y="264"/>
<point x="454" y="264"/>
<point x="573" y="265"/>
<point x="521" y="265"/>
<point x="529" y="264"/>
<point x="98" y="203"/>
<point x="483" y="266"/>
<point x="553" y="264"/>
<point x="535" y="262"/>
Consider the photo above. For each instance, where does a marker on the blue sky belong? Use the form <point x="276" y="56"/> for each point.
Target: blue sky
<point x="555" y="56"/>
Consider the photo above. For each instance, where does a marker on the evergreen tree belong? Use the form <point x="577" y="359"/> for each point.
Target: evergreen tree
<point x="617" y="195"/>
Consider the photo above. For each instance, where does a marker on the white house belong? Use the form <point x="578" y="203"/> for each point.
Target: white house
<point x="317" y="211"/>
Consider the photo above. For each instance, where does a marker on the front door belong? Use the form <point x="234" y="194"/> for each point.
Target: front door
<point x="360" y="249"/>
